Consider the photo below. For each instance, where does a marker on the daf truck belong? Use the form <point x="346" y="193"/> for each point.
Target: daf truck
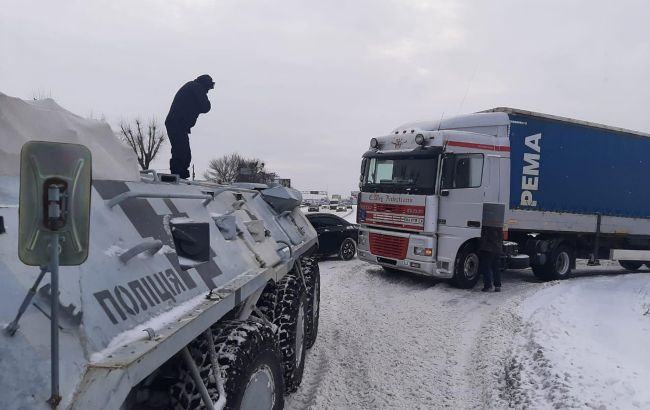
<point x="561" y="189"/>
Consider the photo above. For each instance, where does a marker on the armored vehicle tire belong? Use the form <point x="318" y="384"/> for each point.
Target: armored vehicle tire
<point x="466" y="267"/>
<point x="311" y="272"/>
<point x="631" y="265"/>
<point x="348" y="249"/>
<point x="290" y="318"/>
<point x="558" y="265"/>
<point x="268" y="301"/>
<point x="250" y="364"/>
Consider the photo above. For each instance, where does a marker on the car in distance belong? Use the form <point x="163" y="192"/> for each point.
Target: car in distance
<point x="313" y="208"/>
<point x="336" y="236"/>
<point x="341" y="208"/>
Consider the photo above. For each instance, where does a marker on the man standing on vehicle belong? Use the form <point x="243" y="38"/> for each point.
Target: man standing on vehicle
<point x="490" y="251"/>
<point x="190" y="101"/>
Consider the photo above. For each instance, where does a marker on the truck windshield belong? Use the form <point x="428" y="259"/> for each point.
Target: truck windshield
<point x="415" y="175"/>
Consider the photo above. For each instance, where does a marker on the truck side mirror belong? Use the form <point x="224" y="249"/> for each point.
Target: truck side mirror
<point x="55" y="187"/>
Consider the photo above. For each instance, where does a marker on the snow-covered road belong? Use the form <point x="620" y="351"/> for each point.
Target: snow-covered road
<point x="393" y="340"/>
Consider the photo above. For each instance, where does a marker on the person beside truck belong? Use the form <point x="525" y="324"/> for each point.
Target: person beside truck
<point x="490" y="251"/>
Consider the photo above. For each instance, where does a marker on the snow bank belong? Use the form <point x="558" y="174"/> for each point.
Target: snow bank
<point x="45" y="120"/>
<point x="584" y="343"/>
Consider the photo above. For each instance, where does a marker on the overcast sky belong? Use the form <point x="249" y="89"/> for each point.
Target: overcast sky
<point x="304" y="85"/>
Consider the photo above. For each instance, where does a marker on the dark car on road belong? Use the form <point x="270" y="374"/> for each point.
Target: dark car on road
<point x="336" y="236"/>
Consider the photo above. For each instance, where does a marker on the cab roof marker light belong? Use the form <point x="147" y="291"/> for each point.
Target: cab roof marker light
<point x="374" y="143"/>
<point x="419" y="139"/>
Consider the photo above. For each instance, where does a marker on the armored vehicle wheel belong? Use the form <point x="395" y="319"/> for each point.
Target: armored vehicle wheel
<point x="558" y="265"/>
<point x="466" y="272"/>
<point x="268" y="301"/>
<point x="250" y="365"/>
<point x="311" y="272"/>
<point x="290" y="317"/>
<point x="348" y="249"/>
<point x="631" y="265"/>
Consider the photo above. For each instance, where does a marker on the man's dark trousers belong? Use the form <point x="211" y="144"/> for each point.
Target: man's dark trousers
<point x="181" y="153"/>
<point x="489" y="263"/>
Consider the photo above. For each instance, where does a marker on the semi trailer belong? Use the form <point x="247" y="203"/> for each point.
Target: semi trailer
<point x="561" y="189"/>
<point x="127" y="290"/>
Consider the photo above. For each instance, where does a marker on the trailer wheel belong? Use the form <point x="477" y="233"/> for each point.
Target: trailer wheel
<point x="631" y="265"/>
<point x="466" y="272"/>
<point x="558" y="266"/>
<point x="290" y="318"/>
<point x="250" y="366"/>
<point x="311" y="272"/>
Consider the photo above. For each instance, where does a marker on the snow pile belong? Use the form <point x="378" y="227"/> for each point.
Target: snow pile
<point x="583" y="343"/>
<point x="45" y="120"/>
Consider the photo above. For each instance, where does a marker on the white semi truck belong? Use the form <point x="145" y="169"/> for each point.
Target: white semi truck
<point x="562" y="189"/>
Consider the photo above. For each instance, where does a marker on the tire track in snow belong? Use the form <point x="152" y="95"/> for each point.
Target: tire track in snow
<point x="392" y="340"/>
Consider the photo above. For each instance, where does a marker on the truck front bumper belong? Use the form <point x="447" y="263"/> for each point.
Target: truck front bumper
<point x="423" y="268"/>
<point x="423" y="265"/>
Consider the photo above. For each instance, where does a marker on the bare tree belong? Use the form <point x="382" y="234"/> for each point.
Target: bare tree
<point x="254" y="170"/>
<point x="224" y="170"/>
<point x="144" y="142"/>
<point x="235" y="168"/>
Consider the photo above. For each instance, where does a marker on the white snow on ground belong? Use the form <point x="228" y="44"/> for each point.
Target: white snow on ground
<point x="584" y="343"/>
<point x="398" y="341"/>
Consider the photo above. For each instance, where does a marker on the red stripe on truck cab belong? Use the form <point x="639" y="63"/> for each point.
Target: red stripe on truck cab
<point x="473" y="145"/>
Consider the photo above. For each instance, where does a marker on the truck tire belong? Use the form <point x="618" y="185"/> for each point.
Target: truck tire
<point x="466" y="267"/>
<point x="290" y="318"/>
<point x="557" y="266"/>
<point x="249" y="363"/>
<point x="311" y="273"/>
<point x="348" y="249"/>
<point x="631" y="265"/>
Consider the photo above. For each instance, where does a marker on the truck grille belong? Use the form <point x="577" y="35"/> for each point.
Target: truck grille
<point x="389" y="246"/>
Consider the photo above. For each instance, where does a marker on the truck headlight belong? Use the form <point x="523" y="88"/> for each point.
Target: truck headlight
<point x="423" y="251"/>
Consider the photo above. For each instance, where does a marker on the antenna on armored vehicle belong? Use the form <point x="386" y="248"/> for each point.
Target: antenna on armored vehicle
<point x="54" y="224"/>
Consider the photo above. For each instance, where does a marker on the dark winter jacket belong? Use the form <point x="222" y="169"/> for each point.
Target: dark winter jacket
<point x="190" y="101"/>
<point x="491" y="240"/>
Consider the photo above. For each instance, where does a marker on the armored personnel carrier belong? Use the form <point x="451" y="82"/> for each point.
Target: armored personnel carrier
<point x="170" y="294"/>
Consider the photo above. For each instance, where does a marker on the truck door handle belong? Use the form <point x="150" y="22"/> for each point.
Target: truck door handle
<point x="444" y="192"/>
<point x="473" y="224"/>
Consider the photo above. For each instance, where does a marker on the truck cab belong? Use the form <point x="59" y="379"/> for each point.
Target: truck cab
<point x="426" y="191"/>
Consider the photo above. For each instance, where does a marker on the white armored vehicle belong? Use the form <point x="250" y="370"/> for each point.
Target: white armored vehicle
<point x="171" y="294"/>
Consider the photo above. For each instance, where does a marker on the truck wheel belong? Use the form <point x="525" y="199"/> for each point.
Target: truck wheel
<point x="631" y="265"/>
<point x="466" y="272"/>
<point x="311" y="272"/>
<point x="290" y="318"/>
<point x="348" y="249"/>
<point x="250" y="366"/>
<point x="558" y="266"/>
